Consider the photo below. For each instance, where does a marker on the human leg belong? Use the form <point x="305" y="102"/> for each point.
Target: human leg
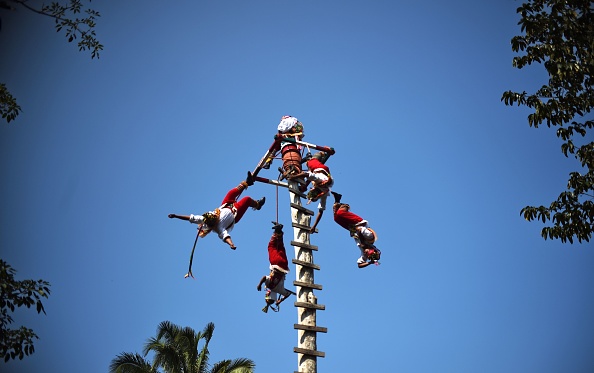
<point x="234" y="193"/>
<point x="276" y="250"/>
<point x="242" y="205"/>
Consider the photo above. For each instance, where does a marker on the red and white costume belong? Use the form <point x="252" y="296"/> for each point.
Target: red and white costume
<point x="359" y="228"/>
<point x="319" y="175"/>
<point x="230" y="212"/>
<point x="279" y="266"/>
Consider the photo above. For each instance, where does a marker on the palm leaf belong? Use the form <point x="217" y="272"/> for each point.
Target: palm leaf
<point x="130" y="363"/>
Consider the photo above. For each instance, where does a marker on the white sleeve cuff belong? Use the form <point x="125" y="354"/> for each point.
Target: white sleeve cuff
<point x="196" y="219"/>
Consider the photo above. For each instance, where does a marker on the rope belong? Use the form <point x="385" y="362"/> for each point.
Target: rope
<point x="279" y="176"/>
<point x="190" y="274"/>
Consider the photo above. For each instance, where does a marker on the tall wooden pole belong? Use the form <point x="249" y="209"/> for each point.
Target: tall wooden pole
<point x="306" y="303"/>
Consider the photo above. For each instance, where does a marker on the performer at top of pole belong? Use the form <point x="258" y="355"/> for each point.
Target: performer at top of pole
<point x="223" y="219"/>
<point x="288" y="128"/>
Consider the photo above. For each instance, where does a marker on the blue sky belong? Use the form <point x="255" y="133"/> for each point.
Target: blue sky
<point x="186" y="98"/>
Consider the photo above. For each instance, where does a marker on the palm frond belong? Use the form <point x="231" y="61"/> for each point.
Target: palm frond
<point x="130" y="363"/>
<point x="240" y="365"/>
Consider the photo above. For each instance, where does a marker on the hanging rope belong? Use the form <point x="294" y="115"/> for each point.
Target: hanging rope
<point x="279" y="178"/>
<point x="189" y="274"/>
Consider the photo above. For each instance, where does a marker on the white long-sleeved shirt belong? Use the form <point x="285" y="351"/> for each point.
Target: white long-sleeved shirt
<point x="224" y="225"/>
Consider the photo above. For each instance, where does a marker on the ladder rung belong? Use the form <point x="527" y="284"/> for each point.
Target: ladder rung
<point x="309" y="328"/>
<point x="312" y="306"/>
<point x="306" y="285"/>
<point x="302" y="209"/>
<point x="304" y="245"/>
<point x="302" y="195"/>
<point x="305" y="264"/>
<point x="304" y="227"/>
<point x="305" y="351"/>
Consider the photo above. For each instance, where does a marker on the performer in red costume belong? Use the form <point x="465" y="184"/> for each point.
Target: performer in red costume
<point x="364" y="236"/>
<point x="279" y="267"/>
<point x="223" y="219"/>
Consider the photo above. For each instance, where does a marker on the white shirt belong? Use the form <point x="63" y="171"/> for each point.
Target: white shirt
<point x="320" y="177"/>
<point x="278" y="289"/>
<point x="224" y="225"/>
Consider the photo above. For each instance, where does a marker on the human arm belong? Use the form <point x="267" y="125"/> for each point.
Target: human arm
<point x="229" y="242"/>
<point x="321" y="208"/>
<point x="262" y="280"/>
<point x="195" y="219"/>
<point x="364" y="264"/>
<point x="302" y="174"/>
<point x="316" y="221"/>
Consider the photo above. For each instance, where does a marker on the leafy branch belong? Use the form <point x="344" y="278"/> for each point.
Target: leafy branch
<point x="559" y="34"/>
<point x="77" y="24"/>
<point x="82" y="29"/>
<point x="14" y="294"/>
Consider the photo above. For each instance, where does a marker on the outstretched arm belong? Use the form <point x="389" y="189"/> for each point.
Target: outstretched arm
<point x="182" y="217"/>
<point x="259" y="287"/>
<point x="315" y="224"/>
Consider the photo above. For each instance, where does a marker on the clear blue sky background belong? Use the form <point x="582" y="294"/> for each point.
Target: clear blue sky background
<point x="186" y="98"/>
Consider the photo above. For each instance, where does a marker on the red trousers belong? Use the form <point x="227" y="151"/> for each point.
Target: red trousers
<point x="346" y="219"/>
<point x="241" y="206"/>
<point x="276" y="252"/>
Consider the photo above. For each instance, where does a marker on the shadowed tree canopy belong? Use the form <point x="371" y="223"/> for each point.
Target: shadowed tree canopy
<point x="559" y="34"/>
<point x="176" y="350"/>
<point x="77" y="23"/>
<point x="14" y="294"/>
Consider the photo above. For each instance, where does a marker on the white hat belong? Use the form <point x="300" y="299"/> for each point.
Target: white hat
<point x="286" y="123"/>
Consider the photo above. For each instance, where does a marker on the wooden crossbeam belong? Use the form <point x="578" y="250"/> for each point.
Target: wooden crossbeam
<point x="302" y="209"/>
<point x="305" y="351"/>
<point x="307" y="285"/>
<point x="311" y="328"/>
<point x="304" y="227"/>
<point x="326" y="149"/>
<point x="312" y="306"/>
<point x="304" y="245"/>
<point x="297" y="192"/>
<point x="271" y="181"/>
<point x="305" y="264"/>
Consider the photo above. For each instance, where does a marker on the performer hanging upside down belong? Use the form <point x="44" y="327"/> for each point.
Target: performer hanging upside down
<point x="279" y="267"/>
<point x="223" y="219"/>
<point x="319" y="176"/>
<point x="364" y="236"/>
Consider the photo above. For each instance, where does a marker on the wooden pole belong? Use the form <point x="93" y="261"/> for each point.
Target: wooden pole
<point x="306" y="302"/>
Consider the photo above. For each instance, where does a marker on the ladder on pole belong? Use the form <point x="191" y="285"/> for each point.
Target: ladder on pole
<point x="306" y="302"/>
